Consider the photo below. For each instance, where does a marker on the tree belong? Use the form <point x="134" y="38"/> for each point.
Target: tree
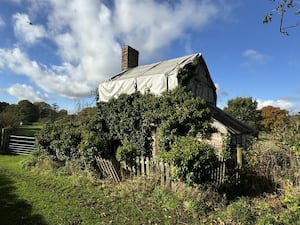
<point x="273" y="117"/>
<point x="245" y="110"/>
<point x="282" y="7"/>
<point x="86" y="114"/>
<point x="10" y="116"/>
<point x="8" y="120"/>
<point x="45" y="110"/>
<point x="3" y="106"/>
<point x="28" y="112"/>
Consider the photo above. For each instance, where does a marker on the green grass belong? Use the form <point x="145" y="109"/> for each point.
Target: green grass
<point x="30" y="197"/>
<point x="43" y="196"/>
<point x="27" y="130"/>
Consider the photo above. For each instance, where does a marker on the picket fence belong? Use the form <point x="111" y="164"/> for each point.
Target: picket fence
<point x="149" y="167"/>
<point x="21" y="145"/>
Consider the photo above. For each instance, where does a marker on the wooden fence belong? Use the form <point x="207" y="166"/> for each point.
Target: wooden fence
<point x="108" y="169"/>
<point x="148" y="167"/>
<point x="21" y="145"/>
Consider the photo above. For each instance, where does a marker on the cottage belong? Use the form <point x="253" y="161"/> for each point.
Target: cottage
<point x="190" y="71"/>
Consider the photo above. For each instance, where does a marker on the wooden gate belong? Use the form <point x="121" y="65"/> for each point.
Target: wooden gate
<point x="21" y="145"/>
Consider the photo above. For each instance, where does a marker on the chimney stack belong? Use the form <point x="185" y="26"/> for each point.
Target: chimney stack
<point x="130" y="57"/>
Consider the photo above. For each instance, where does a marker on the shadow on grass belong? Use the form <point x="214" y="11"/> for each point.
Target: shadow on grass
<point x="13" y="210"/>
<point x="251" y="185"/>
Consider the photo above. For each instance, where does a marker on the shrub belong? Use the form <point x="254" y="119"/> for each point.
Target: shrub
<point x="174" y="113"/>
<point x="192" y="158"/>
<point x="240" y="212"/>
<point x="36" y="157"/>
<point x="64" y="141"/>
<point x="290" y="201"/>
<point x="127" y="152"/>
<point x="90" y="146"/>
<point x="274" y="161"/>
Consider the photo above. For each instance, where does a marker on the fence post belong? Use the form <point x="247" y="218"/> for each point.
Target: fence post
<point x="147" y="162"/>
<point x="142" y="163"/>
<point x="3" y="141"/>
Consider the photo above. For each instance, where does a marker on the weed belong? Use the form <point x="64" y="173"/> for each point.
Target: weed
<point x="240" y="211"/>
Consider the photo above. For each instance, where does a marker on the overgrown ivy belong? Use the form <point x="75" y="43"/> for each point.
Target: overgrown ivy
<point x="127" y="124"/>
<point x="186" y="73"/>
<point x="134" y="117"/>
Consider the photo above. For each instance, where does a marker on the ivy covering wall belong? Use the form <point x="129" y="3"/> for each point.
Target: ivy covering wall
<point x="123" y="129"/>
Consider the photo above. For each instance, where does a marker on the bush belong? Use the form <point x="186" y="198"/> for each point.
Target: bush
<point x="127" y="152"/>
<point x="192" y="158"/>
<point x="174" y="113"/>
<point x="290" y="201"/>
<point x="79" y="143"/>
<point x="90" y="146"/>
<point x="36" y="157"/>
<point x="240" y="212"/>
<point x="274" y="161"/>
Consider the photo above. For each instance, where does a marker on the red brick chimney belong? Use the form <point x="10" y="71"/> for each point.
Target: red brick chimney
<point x="130" y="57"/>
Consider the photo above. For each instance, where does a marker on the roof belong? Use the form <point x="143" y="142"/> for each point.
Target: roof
<point x="166" y="67"/>
<point x="233" y="125"/>
<point x="154" y="78"/>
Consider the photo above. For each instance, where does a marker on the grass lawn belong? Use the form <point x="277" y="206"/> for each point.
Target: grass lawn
<point x="47" y="197"/>
<point x="42" y="196"/>
<point x="27" y="130"/>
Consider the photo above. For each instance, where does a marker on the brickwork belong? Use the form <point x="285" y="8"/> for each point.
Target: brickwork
<point x="130" y="57"/>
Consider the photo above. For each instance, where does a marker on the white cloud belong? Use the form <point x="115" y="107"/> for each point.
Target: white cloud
<point x="23" y="91"/>
<point x="25" y="31"/>
<point x="163" y="23"/>
<point x="220" y="91"/>
<point x="281" y="103"/>
<point x="56" y="79"/>
<point x="255" y="57"/>
<point x="88" y="36"/>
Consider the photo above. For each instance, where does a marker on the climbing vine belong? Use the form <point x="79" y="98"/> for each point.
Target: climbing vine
<point x="186" y="73"/>
<point x="174" y="113"/>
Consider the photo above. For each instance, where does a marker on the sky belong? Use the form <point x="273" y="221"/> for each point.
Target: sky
<point x="58" y="51"/>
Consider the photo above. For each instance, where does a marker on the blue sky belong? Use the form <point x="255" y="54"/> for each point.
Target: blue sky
<point x="58" y="51"/>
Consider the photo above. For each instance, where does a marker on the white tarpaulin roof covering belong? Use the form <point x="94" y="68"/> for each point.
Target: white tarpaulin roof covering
<point x="156" y="78"/>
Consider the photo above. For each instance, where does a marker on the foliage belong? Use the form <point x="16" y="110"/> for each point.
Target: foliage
<point x="66" y="146"/>
<point x="186" y="73"/>
<point x="3" y="106"/>
<point x="35" y="158"/>
<point x="245" y="110"/>
<point x="240" y="211"/>
<point x="91" y="145"/>
<point x="54" y="198"/>
<point x="192" y="158"/>
<point x="282" y="8"/>
<point x="273" y="161"/>
<point x="291" y="201"/>
<point x="226" y="148"/>
<point x="8" y="120"/>
<point x="175" y="113"/>
<point x="69" y="139"/>
<point x="125" y="117"/>
<point x="273" y="117"/>
<point x="27" y="111"/>
<point x="47" y="196"/>
<point x="289" y="133"/>
<point x="181" y="115"/>
<point x="127" y="152"/>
